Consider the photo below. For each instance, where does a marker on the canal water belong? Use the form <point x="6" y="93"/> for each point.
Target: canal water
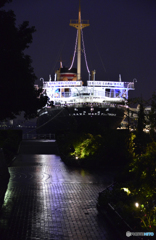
<point x="48" y="200"/>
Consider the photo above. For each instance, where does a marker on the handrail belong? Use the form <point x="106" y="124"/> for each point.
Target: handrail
<point x="34" y="136"/>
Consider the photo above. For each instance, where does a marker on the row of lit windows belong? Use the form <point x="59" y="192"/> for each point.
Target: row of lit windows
<point x="91" y="114"/>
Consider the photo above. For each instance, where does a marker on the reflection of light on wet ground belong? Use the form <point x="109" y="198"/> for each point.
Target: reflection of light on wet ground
<point x="47" y="200"/>
<point x="83" y="173"/>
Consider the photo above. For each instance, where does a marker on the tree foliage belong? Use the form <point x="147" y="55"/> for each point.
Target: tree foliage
<point x="142" y="185"/>
<point x="87" y="146"/>
<point x="3" y="2"/>
<point x="17" y="78"/>
<point x="141" y="120"/>
<point x="134" y="195"/>
<point x="152" y="115"/>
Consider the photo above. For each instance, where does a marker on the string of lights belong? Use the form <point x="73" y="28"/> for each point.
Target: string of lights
<point x="74" y="51"/>
<point x="84" y="52"/>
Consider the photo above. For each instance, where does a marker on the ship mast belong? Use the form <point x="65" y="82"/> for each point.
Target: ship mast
<point x="79" y="24"/>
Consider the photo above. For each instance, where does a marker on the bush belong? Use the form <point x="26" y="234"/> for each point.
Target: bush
<point x="9" y="141"/>
<point x="94" y="150"/>
<point x="138" y="180"/>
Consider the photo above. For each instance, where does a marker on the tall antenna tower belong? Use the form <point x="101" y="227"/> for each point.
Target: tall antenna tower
<point x="79" y="24"/>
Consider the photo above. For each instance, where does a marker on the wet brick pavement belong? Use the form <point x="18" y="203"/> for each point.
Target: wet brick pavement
<point x="47" y="200"/>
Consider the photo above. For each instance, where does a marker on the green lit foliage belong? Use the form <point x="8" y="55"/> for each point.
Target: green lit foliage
<point x="142" y="170"/>
<point x="137" y="144"/>
<point x="88" y="146"/>
<point x="131" y="143"/>
<point x="131" y="206"/>
<point x="94" y="150"/>
<point x="144" y="166"/>
<point x="138" y="206"/>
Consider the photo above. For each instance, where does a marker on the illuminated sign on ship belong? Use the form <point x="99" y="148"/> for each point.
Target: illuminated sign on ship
<point x="64" y="83"/>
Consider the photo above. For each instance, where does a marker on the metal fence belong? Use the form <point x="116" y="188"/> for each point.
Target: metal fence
<point x="35" y="136"/>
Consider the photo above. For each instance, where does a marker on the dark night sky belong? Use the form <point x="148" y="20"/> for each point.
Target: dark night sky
<point x="121" y="38"/>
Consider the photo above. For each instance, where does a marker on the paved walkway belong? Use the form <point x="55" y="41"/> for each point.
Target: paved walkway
<point x="47" y="200"/>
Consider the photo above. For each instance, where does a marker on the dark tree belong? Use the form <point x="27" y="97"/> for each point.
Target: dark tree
<point x="141" y="119"/>
<point x="17" y="78"/>
<point x="152" y="115"/>
<point x="3" y="2"/>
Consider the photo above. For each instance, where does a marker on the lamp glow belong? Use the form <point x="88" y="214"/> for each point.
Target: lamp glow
<point x="137" y="204"/>
<point x="126" y="190"/>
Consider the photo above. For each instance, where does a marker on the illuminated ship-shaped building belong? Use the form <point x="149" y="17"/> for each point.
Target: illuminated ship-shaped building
<point x="100" y="104"/>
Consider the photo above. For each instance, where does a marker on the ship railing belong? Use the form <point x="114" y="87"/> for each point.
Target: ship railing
<point x="76" y="21"/>
<point x="129" y="85"/>
<point x="92" y="104"/>
<point x="35" y="136"/>
<point x="100" y="83"/>
<point x="111" y="94"/>
<point x="110" y="84"/>
<point x="65" y="95"/>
